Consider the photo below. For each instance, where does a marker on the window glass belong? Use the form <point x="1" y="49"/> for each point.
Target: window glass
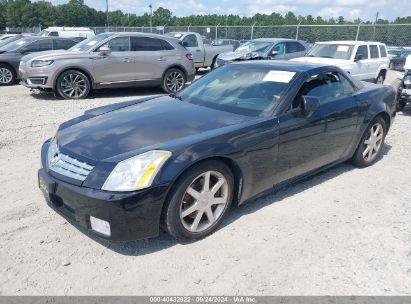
<point x="39" y="46"/>
<point x="147" y="44"/>
<point x="191" y="40"/>
<point x="327" y="86"/>
<point x="54" y="34"/>
<point x="241" y="89"/>
<point x="294" y="47"/>
<point x="280" y="48"/>
<point x="362" y="51"/>
<point x="166" y="46"/>
<point x="255" y="46"/>
<point x="374" y="51"/>
<point x="331" y="50"/>
<point x="383" y="51"/>
<point x="119" y="44"/>
<point x="63" y="44"/>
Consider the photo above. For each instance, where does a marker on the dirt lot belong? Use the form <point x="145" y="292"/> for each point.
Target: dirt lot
<point x="345" y="231"/>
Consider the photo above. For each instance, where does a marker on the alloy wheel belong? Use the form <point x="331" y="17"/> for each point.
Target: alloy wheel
<point x="204" y="201"/>
<point x="373" y="142"/>
<point x="380" y="79"/>
<point x="74" y="85"/>
<point x="175" y="81"/>
<point x="6" y="76"/>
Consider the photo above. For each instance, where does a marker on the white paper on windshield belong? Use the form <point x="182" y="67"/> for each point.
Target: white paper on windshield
<point x="92" y="42"/>
<point x="343" y="48"/>
<point x="279" y="76"/>
<point x="21" y="42"/>
<point x="177" y="35"/>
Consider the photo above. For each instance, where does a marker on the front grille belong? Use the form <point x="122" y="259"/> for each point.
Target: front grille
<point x="70" y="167"/>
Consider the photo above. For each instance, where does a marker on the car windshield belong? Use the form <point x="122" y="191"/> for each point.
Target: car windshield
<point x="241" y="89"/>
<point x="88" y="44"/>
<point x="15" y="45"/>
<point x="254" y="46"/>
<point x="43" y="33"/>
<point x="334" y="51"/>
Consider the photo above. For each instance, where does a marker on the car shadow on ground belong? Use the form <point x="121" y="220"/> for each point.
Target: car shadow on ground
<point x="163" y="241"/>
<point x="406" y="111"/>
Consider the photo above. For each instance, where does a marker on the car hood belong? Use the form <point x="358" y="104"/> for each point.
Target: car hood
<point x="133" y="129"/>
<point x="330" y="61"/>
<point x="231" y="56"/>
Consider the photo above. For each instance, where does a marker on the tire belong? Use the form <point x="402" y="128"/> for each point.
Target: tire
<point x="174" y="80"/>
<point x="8" y="75"/>
<point x="186" y="217"/>
<point x="73" y="84"/>
<point x="380" y="79"/>
<point x="363" y="159"/>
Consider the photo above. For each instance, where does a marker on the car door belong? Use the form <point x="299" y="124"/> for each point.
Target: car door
<point x="151" y="57"/>
<point x="374" y="62"/>
<point x="360" y="69"/>
<point x="118" y="65"/>
<point x="310" y="141"/>
<point x="192" y="44"/>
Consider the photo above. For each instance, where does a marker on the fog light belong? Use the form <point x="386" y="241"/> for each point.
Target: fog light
<point x="100" y="226"/>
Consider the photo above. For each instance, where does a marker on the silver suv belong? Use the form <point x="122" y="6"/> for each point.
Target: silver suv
<point x="110" y="60"/>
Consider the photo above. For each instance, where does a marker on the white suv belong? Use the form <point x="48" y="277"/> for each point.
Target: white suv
<point x="367" y="61"/>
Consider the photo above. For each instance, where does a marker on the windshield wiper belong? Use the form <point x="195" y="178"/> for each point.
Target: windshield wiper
<point x="175" y="96"/>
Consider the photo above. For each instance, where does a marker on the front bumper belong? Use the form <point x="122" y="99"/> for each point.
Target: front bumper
<point x="132" y="215"/>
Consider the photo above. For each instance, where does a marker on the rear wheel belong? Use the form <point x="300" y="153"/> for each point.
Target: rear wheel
<point x="371" y="143"/>
<point x="199" y="201"/>
<point x="7" y="75"/>
<point x="380" y="79"/>
<point x="73" y="84"/>
<point x="174" y="81"/>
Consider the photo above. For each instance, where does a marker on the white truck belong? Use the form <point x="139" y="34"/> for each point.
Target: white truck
<point x="67" y="32"/>
<point x="366" y="61"/>
<point x="204" y="53"/>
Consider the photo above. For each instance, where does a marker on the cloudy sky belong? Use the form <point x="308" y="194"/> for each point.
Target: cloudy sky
<point x="350" y="9"/>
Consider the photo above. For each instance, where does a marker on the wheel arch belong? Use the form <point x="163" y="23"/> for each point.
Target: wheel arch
<point x="75" y="68"/>
<point x="10" y="66"/>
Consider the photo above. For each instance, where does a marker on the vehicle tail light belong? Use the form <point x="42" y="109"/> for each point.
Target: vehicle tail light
<point x="189" y="56"/>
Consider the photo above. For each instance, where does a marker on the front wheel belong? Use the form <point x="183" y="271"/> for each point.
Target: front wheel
<point x="380" y="79"/>
<point x="174" y="81"/>
<point x="7" y="75"/>
<point x="371" y="143"/>
<point x="73" y="85"/>
<point x="199" y="201"/>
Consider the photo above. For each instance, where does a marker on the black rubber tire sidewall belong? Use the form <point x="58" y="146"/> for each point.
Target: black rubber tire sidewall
<point x="378" y="77"/>
<point x="168" y="72"/>
<point x="358" y="159"/>
<point x="171" y="213"/>
<point x="13" y="75"/>
<point x="59" y="79"/>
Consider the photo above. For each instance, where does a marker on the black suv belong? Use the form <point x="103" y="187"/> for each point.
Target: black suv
<point x="11" y="53"/>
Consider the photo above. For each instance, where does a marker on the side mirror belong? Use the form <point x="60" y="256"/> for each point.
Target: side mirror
<point x="358" y="57"/>
<point x="310" y="104"/>
<point x="274" y="53"/>
<point x="104" y="51"/>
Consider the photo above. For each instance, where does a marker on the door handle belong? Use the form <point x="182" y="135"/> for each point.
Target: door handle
<point x="198" y="51"/>
<point x="128" y="60"/>
<point x="161" y="59"/>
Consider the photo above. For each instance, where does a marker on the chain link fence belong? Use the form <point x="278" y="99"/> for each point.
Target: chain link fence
<point x="390" y="34"/>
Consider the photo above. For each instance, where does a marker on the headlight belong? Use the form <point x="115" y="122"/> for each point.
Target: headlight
<point x="52" y="152"/>
<point x="137" y="172"/>
<point x="41" y="63"/>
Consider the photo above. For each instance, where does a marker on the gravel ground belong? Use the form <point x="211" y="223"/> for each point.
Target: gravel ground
<point x="345" y="231"/>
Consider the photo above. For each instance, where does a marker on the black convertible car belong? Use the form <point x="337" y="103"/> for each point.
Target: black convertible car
<point x="123" y="171"/>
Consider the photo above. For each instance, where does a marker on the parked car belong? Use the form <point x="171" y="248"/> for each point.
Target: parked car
<point x="110" y="60"/>
<point x="180" y="161"/>
<point x="265" y="48"/>
<point x="67" y="32"/>
<point x="367" y="61"/>
<point x="394" y="52"/>
<point x="204" y="55"/>
<point x="11" y="53"/>
<point x="11" y="39"/>
<point x="398" y="62"/>
<point x="6" y="36"/>
<point x="405" y="88"/>
<point x="233" y="42"/>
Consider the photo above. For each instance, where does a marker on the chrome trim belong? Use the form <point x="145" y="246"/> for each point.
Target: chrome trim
<point x="125" y="81"/>
<point x="70" y="167"/>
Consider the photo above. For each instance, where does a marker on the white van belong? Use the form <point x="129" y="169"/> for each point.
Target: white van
<point x="367" y="61"/>
<point x="67" y="32"/>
